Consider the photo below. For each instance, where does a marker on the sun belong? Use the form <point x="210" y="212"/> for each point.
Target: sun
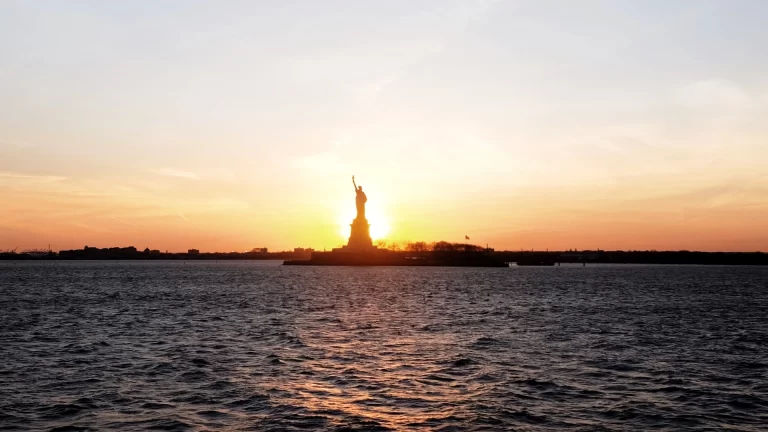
<point x="377" y="218"/>
<point x="379" y="226"/>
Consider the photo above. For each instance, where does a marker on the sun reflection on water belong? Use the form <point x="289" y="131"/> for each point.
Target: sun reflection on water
<point x="370" y="358"/>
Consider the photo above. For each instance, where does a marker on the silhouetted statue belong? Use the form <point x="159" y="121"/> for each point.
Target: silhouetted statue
<point x="360" y="200"/>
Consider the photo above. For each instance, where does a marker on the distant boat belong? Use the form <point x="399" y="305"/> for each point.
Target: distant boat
<point x="537" y="263"/>
<point x="537" y="260"/>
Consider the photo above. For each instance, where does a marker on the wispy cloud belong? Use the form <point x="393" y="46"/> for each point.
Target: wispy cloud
<point x="33" y="177"/>
<point x="192" y="224"/>
<point x="91" y="227"/>
<point x="17" y="144"/>
<point x="174" y="172"/>
<point x="122" y="221"/>
<point x="323" y="162"/>
<point x="716" y="95"/>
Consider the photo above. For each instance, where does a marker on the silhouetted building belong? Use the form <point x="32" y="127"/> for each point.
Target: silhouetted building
<point x="107" y="253"/>
<point x="193" y="252"/>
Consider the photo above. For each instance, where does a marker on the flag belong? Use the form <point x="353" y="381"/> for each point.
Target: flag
<point x="466" y="237"/>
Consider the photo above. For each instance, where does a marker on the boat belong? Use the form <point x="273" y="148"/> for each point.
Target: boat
<point x="537" y="260"/>
<point x="535" y="263"/>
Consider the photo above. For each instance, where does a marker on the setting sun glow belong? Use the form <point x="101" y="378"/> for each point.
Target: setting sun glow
<point x="377" y="217"/>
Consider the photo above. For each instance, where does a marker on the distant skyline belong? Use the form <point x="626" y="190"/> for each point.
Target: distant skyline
<point x="229" y="125"/>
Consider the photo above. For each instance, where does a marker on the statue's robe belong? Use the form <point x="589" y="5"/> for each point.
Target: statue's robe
<point x="360" y="201"/>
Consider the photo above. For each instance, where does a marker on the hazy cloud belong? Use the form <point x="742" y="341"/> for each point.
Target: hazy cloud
<point x="32" y="177"/>
<point x="16" y="144"/>
<point x="173" y="172"/>
<point x="323" y="162"/>
<point x="716" y="95"/>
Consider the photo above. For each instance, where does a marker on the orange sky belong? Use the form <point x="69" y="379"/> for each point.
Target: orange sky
<point x="190" y="213"/>
<point x="522" y="125"/>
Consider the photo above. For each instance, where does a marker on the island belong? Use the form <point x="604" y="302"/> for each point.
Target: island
<point x="360" y="251"/>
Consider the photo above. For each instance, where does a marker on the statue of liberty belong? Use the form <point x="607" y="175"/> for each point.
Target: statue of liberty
<point x="360" y="200"/>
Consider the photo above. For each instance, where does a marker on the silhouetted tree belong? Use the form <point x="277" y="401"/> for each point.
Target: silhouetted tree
<point x="443" y="246"/>
<point x="417" y="247"/>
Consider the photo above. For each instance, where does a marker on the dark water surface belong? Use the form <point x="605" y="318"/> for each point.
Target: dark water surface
<point x="257" y="346"/>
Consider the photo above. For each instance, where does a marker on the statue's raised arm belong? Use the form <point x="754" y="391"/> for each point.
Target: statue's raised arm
<point x="353" y="183"/>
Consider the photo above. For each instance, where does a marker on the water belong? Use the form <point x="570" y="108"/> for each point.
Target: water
<point x="258" y="346"/>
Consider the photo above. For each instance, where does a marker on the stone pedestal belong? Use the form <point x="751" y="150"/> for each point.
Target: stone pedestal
<point x="360" y="237"/>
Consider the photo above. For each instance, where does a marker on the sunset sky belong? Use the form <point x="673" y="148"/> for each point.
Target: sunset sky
<point x="229" y="125"/>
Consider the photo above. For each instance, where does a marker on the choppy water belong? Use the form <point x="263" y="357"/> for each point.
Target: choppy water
<point x="256" y="346"/>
